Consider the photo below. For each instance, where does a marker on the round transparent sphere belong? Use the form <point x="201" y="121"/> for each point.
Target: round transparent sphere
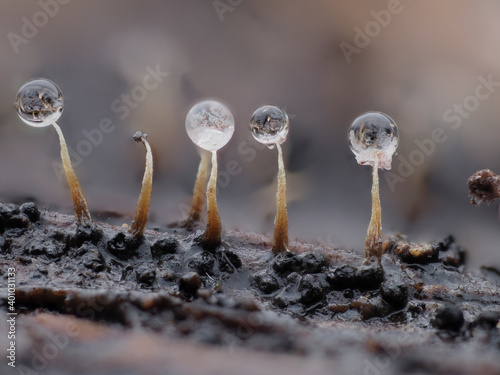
<point x="210" y="125"/>
<point x="269" y="125"/>
<point x="39" y="102"/>
<point x="373" y="136"/>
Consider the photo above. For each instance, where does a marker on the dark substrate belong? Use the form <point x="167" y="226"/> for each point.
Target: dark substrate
<point x="94" y="300"/>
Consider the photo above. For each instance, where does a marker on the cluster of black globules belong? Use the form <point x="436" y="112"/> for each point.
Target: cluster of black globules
<point x="306" y="282"/>
<point x="82" y="255"/>
<point x="292" y="279"/>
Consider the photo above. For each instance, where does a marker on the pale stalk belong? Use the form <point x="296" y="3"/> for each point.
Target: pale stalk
<point x="79" y="201"/>
<point x="280" y="243"/>
<point x="373" y="243"/>
<point x="194" y="214"/>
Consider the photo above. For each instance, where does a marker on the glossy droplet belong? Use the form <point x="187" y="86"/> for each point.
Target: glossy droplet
<point x="210" y="125"/>
<point x="269" y="125"/>
<point x="39" y="102"/>
<point x="374" y="136"/>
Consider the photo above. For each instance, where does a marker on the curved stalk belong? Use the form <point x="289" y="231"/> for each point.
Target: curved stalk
<point x="280" y="243"/>
<point x="141" y="212"/>
<point x="212" y="236"/>
<point x="79" y="201"/>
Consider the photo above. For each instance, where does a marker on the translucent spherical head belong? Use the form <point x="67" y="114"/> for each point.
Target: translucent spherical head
<point x="269" y="125"/>
<point x="210" y="125"/>
<point x="374" y="136"/>
<point x="39" y="102"/>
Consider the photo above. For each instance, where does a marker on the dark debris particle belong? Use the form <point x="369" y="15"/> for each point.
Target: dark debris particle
<point x="371" y="307"/>
<point x="285" y="263"/>
<point x="265" y="282"/>
<point x="444" y="244"/>
<point x="228" y="260"/>
<point x="484" y="186"/>
<point x="289" y="295"/>
<point x="449" y="318"/>
<point x="311" y="290"/>
<point x="163" y="246"/>
<point x="189" y="284"/>
<point x="8" y="210"/>
<point x="145" y="275"/>
<point x="25" y="261"/>
<point x="59" y="235"/>
<point x="168" y="275"/>
<point x="12" y="217"/>
<point x="128" y="274"/>
<point x="202" y="262"/>
<point x="395" y="293"/>
<point x="416" y="308"/>
<point x="123" y="246"/>
<point x="369" y="276"/>
<point x="88" y="232"/>
<point x="342" y="277"/>
<point x="312" y="262"/>
<point x="348" y="293"/>
<point x="31" y="210"/>
<point x="48" y="248"/>
<point x="487" y="320"/>
<point x="91" y="257"/>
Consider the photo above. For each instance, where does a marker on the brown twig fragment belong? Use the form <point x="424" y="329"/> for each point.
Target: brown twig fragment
<point x="280" y="243"/>
<point x="484" y="186"/>
<point x="212" y="236"/>
<point x="141" y="212"/>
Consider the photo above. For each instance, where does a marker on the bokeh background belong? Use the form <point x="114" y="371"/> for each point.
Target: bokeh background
<point x="415" y="67"/>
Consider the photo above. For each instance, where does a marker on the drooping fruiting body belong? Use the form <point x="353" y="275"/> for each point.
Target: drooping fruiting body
<point x="269" y="126"/>
<point x="141" y="213"/>
<point x="40" y="103"/>
<point x="373" y="138"/>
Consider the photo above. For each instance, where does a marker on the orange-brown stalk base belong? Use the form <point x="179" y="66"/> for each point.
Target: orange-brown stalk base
<point x="211" y="238"/>
<point x="79" y="202"/>
<point x="280" y="243"/>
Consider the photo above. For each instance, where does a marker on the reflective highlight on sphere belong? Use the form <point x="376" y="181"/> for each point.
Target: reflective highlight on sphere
<point x="39" y="102"/>
<point x="374" y="136"/>
<point x="269" y="125"/>
<point x="210" y="125"/>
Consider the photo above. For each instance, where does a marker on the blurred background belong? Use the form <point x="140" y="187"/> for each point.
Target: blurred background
<point x="325" y="62"/>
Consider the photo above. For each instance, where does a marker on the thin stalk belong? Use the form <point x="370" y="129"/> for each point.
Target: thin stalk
<point x="373" y="243"/>
<point x="141" y="212"/>
<point x="280" y="243"/>
<point x="79" y="201"/>
<point x="194" y="214"/>
<point x="212" y="236"/>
